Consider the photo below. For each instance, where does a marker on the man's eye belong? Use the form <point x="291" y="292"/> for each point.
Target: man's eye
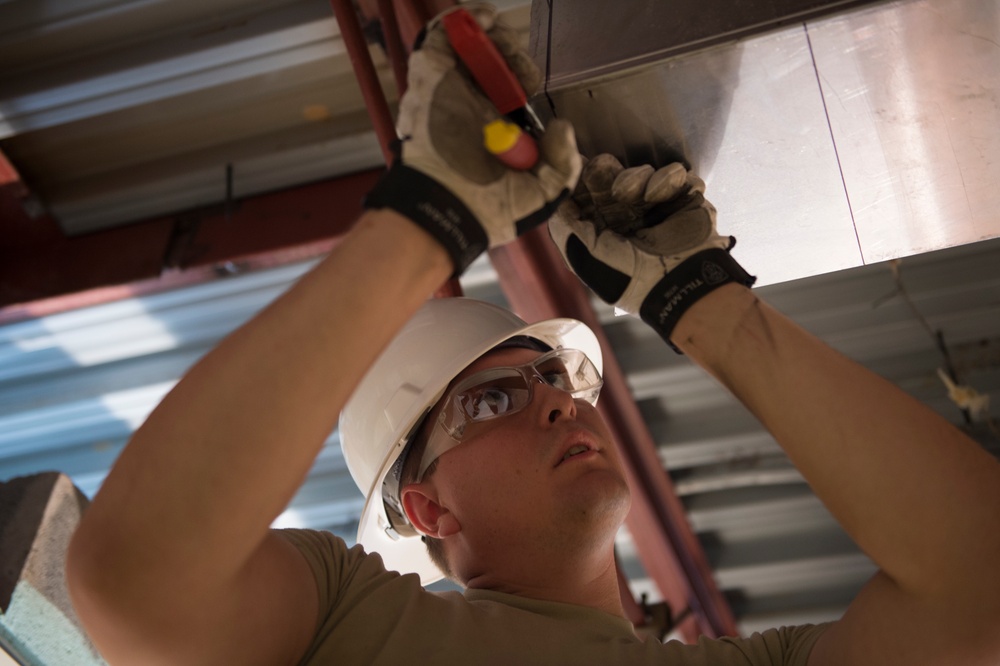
<point x="558" y="378"/>
<point x="488" y="403"/>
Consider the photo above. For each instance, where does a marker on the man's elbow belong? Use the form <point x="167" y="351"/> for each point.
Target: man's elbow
<point x="111" y="604"/>
<point x="87" y="581"/>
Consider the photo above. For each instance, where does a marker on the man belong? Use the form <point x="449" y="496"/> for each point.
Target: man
<point x="511" y="476"/>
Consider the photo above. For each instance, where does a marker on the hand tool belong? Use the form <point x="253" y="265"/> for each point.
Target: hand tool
<point x="510" y="141"/>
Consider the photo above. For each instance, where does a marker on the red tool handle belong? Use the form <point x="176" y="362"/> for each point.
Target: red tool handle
<point x="484" y="61"/>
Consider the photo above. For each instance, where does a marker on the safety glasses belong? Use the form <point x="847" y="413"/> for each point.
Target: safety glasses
<point x="497" y="392"/>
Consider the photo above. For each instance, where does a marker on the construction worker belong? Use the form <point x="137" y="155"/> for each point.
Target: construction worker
<point x="476" y="432"/>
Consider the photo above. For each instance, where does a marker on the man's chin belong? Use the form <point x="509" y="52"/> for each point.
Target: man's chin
<point x="602" y="498"/>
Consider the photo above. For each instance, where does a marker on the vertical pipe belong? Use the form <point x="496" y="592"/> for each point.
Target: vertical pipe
<point x="393" y="43"/>
<point x="411" y="20"/>
<point x="364" y="69"/>
<point x="397" y="56"/>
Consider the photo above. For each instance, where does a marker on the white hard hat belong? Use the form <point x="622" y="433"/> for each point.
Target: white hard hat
<point x="411" y="375"/>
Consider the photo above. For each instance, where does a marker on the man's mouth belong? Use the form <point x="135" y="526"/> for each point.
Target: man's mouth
<point x="575" y="450"/>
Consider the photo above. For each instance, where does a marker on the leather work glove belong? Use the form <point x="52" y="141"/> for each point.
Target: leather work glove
<point x="645" y="240"/>
<point x="444" y="179"/>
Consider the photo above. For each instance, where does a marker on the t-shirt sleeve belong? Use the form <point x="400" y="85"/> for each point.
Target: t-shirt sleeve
<point x="346" y="579"/>
<point x="786" y="646"/>
<point x="329" y="558"/>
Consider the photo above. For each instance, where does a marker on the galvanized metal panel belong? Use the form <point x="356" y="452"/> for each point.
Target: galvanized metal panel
<point x="839" y="141"/>
<point x="749" y="118"/>
<point x="580" y="39"/>
<point x="913" y="94"/>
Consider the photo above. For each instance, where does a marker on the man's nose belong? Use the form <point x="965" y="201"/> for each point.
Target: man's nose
<point x="553" y="403"/>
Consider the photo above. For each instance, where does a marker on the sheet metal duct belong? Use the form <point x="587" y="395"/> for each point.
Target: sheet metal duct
<point x="840" y="136"/>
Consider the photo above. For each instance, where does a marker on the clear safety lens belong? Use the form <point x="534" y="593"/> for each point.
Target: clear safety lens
<point x="501" y="391"/>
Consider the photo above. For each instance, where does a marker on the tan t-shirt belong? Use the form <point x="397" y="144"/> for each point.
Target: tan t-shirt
<point x="372" y="616"/>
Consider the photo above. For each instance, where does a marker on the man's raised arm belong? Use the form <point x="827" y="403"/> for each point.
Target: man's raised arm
<point x="917" y="495"/>
<point x="174" y="562"/>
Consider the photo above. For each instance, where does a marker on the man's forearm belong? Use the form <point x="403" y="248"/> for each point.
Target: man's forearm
<point x="917" y="495"/>
<point x="225" y="451"/>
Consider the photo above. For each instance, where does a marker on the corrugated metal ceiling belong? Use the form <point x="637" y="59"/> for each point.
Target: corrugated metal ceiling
<point x="115" y="111"/>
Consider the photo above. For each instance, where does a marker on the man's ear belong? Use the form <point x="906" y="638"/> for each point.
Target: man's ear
<point x="426" y="513"/>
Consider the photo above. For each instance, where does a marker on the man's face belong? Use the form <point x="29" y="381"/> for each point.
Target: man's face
<point x="511" y="481"/>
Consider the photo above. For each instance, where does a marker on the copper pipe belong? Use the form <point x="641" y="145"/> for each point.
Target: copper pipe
<point x="364" y="69"/>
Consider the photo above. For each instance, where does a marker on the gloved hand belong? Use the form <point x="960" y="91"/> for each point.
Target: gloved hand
<point x="444" y="178"/>
<point x="645" y="240"/>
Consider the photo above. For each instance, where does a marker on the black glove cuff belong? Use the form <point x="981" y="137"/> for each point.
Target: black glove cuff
<point x="433" y="207"/>
<point x="679" y="289"/>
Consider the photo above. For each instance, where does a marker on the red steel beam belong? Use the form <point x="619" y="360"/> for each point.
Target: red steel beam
<point x="39" y="265"/>
<point x="539" y="286"/>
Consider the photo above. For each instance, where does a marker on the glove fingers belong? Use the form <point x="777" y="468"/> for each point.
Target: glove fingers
<point x="578" y="242"/>
<point x="696" y="184"/>
<point x="599" y="177"/>
<point x="668" y="182"/>
<point x="630" y="185"/>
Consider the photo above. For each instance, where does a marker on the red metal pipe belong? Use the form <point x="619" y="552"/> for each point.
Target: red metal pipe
<point x="393" y="43"/>
<point x="371" y="89"/>
<point x="411" y="20"/>
<point x="539" y="286"/>
<point x="364" y="69"/>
